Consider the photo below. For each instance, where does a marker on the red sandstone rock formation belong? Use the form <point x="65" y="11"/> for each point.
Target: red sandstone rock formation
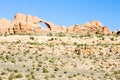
<point x="25" y="23"/>
<point x="6" y="27"/>
<point x="30" y="24"/>
<point x="93" y="27"/>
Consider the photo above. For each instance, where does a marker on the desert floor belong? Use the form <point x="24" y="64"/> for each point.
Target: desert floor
<point x="81" y="57"/>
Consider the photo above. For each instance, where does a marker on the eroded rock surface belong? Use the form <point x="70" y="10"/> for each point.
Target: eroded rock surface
<point x="93" y="27"/>
<point x="6" y="26"/>
<point x="31" y="24"/>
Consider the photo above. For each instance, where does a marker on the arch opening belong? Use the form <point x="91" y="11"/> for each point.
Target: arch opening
<point x="44" y="25"/>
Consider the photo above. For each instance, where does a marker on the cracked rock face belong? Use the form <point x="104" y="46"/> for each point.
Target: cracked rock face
<point x="31" y="24"/>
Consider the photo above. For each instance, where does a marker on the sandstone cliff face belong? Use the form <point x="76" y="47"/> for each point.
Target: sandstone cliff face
<point x="31" y="24"/>
<point x="25" y="23"/>
<point x="6" y="27"/>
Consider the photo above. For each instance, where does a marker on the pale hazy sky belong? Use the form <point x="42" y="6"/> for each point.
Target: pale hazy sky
<point x="66" y="12"/>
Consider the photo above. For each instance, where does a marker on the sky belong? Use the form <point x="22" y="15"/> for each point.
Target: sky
<point x="66" y="12"/>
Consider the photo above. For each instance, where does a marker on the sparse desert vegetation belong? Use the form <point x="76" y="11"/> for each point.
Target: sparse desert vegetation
<point x="60" y="57"/>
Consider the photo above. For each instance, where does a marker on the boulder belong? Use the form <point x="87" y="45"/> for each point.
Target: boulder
<point x="106" y="30"/>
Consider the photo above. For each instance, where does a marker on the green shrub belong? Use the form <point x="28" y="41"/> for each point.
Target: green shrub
<point x="52" y="60"/>
<point x="103" y="38"/>
<point x="32" y="38"/>
<point x="19" y="76"/>
<point x="112" y="39"/>
<point x="100" y="35"/>
<point x="60" y="34"/>
<point x="46" y="77"/>
<point x="16" y="71"/>
<point x="77" y="51"/>
<point x="53" y="76"/>
<point x="50" y="34"/>
<point x="56" y="69"/>
<point x="11" y="77"/>
<point x="85" y="35"/>
<point x="0" y="78"/>
<point x="51" y="39"/>
<point x="117" y="72"/>
<point x="45" y="70"/>
<point x="69" y="76"/>
<point x="33" y="43"/>
<point x="17" y="42"/>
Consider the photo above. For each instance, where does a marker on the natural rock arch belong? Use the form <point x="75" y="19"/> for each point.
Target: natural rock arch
<point x="47" y="24"/>
<point x="28" y="24"/>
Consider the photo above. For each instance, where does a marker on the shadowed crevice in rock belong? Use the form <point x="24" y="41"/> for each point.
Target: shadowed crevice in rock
<point x="48" y="26"/>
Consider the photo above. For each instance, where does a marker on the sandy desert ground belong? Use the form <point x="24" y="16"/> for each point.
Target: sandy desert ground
<point x="75" y="57"/>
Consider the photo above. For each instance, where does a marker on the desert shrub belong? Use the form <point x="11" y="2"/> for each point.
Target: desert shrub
<point x="17" y="42"/>
<point x="75" y="43"/>
<point x="103" y="38"/>
<point x="27" y="76"/>
<point x="63" y="43"/>
<point x="53" y="76"/>
<point x="70" y="76"/>
<point x="33" y="77"/>
<point x="99" y="35"/>
<point x="82" y="45"/>
<point x="18" y="76"/>
<point x="56" y="69"/>
<point x="117" y="72"/>
<point x="112" y="39"/>
<point x="2" y="58"/>
<point x="32" y="38"/>
<point x="45" y="70"/>
<point x="8" y="57"/>
<point x="33" y="43"/>
<point x="3" y="73"/>
<point x="13" y="61"/>
<point x="60" y="34"/>
<point x="11" y="77"/>
<point x="52" y="60"/>
<point x="46" y="77"/>
<point x="65" y="72"/>
<point x="77" y="51"/>
<point x="9" y="70"/>
<point x="85" y="35"/>
<point x="50" y="34"/>
<point x="74" y="36"/>
<point x="5" y="34"/>
<point x="74" y="75"/>
<point x="51" y="39"/>
<point x="16" y="71"/>
<point x="0" y="78"/>
<point x="88" y="35"/>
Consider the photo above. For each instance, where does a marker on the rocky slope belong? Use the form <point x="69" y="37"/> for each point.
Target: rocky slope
<point x="82" y="57"/>
<point x="30" y="24"/>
